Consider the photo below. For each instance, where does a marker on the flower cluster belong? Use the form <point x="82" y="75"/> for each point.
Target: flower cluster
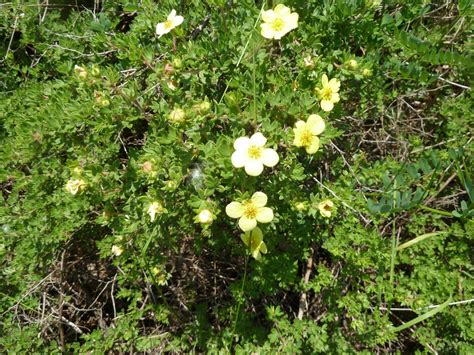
<point x="250" y="153"/>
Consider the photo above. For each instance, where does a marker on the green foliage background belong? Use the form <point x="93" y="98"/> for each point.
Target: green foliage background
<point x="396" y="159"/>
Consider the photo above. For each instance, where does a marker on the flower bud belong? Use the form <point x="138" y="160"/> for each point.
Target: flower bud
<point x="177" y="116"/>
<point x="205" y="217"/>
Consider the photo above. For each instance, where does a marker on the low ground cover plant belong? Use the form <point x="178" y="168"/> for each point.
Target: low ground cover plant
<point x="236" y="176"/>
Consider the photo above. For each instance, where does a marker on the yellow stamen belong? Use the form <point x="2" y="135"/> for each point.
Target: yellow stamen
<point x="326" y="93"/>
<point x="168" y="24"/>
<point x="250" y="210"/>
<point x="278" y="24"/>
<point x="306" y="137"/>
<point x="255" y="152"/>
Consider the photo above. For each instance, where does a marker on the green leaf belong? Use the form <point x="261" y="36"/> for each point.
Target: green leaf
<point x="419" y="239"/>
<point x="421" y="317"/>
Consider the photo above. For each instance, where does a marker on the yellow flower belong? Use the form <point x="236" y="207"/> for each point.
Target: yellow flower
<point x="278" y="22"/>
<point x="117" y="250"/>
<point x="300" y="206"/>
<point x="250" y="211"/>
<point x="73" y="186"/>
<point x="171" y="22"/>
<point x="154" y="209"/>
<point x="205" y="217"/>
<point x="251" y="154"/>
<point x="306" y="133"/>
<point x="177" y="115"/>
<point x="325" y="208"/>
<point x="329" y="93"/>
<point x="80" y="71"/>
<point x="257" y="245"/>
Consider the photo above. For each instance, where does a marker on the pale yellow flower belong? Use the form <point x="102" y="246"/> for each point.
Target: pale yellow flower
<point x="73" y="186"/>
<point x="171" y="22"/>
<point x="278" y="22"/>
<point x="205" y="217"/>
<point x="254" y="240"/>
<point x="117" y="250"/>
<point x="328" y="94"/>
<point x="300" y="206"/>
<point x="251" y="154"/>
<point x="80" y="71"/>
<point x="306" y="133"/>
<point x="325" y="208"/>
<point x="154" y="209"/>
<point x="250" y="211"/>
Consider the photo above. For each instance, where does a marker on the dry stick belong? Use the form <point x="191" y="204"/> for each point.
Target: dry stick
<point x="11" y="39"/>
<point x="45" y="10"/>
<point x="453" y="83"/>
<point x="61" y="300"/>
<point x="347" y="164"/>
<point x="303" y="298"/>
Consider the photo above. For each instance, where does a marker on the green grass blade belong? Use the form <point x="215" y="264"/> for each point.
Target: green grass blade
<point x="419" y="239"/>
<point x="422" y="317"/>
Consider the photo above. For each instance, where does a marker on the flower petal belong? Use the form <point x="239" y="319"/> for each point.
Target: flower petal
<point x="258" y="139"/>
<point x="178" y="20"/>
<point x="270" y="157"/>
<point x="293" y="21"/>
<point x="300" y="124"/>
<point x="242" y="143"/>
<point x="247" y="224"/>
<point x="264" y="215"/>
<point x="313" y="147"/>
<point x="234" y="210"/>
<point x="281" y="10"/>
<point x="316" y="124"/>
<point x="335" y="97"/>
<point x="327" y="105"/>
<point x="253" y="167"/>
<point x="256" y="255"/>
<point x="268" y="16"/>
<point x="257" y="234"/>
<point x="172" y="15"/>
<point x="324" y="80"/>
<point x="161" y="29"/>
<point x="239" y="157"/>
<point x="259" y="199"/>
<point x="267" y="31"/>
<point x="334" y="84"/>
<point x="246" y="238"/>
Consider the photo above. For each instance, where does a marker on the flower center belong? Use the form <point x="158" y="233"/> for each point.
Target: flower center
<point x="327" y="208"/>
<point x="306" y="137"/>
<point x="326" y="93"/>
<point x="168" y="24"/>
<point x="278" y="24"/>
<point x="254" y="152"/>
<point x="250" y="210"/>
